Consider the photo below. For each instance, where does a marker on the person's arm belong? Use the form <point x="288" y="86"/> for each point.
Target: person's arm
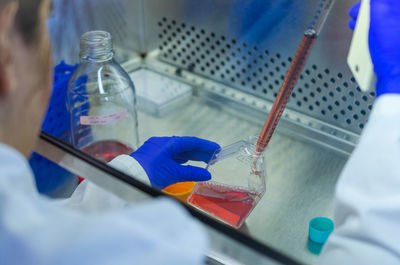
<point x="158" y="162"/>
<point x="367" y="202"/>
<point x="34" y="230"/>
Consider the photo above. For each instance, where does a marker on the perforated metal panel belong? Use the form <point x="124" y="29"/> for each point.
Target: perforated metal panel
<point x="246" y="45"/>
<point x="321" y="92"/>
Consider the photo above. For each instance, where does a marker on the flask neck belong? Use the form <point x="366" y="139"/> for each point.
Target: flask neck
<point x="96" y="46"/>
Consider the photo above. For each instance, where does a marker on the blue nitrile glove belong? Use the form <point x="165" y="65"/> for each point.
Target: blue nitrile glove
<point x="49" y="176"/>
<point x="353" y="13"/>
<point x="56" y="121"/>
<point x="384" y="43"/>
<point x="161" y="158"/>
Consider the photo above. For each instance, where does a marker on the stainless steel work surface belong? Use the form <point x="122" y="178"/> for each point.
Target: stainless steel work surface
<point x="301" y="176"/>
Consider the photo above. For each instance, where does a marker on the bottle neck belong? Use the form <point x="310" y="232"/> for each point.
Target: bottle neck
<point x="96" y="46"/>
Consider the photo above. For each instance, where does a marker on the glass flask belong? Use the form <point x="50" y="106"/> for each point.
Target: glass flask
<point x="237" y="185"/>
<point x="102" y="102"/>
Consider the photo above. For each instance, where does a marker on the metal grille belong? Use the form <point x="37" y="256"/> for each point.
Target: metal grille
<point x="320" y="92"/>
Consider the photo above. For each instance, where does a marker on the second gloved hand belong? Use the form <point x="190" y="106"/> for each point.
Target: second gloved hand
<point x="384" y="43"/>
<point x="161" y="158"/>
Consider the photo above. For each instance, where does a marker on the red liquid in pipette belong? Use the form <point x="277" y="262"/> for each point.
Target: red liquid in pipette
<point x="293" y="74"/>
<point x="230" y="204"/>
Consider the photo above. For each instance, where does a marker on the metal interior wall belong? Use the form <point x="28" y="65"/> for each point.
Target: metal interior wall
<point x="69" y="19"/>
<point x="249" y="45"/>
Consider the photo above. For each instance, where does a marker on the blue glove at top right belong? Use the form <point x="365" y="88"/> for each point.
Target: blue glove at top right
<point x="161" y="158"/>
<point x="384" y="43"/>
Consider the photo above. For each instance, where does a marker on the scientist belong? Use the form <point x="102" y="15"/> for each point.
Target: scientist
<point x="37" y="230"/>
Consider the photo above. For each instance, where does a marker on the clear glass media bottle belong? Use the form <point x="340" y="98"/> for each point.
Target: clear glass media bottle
<point x="102" y="102"/>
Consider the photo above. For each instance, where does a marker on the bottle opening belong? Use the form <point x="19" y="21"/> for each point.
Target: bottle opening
<point x="96" y="45"/>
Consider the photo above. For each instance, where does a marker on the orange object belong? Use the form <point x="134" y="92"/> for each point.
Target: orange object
<point x="180" y="190"/>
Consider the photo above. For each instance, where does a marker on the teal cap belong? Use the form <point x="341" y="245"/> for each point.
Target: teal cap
<point x="313" y="247"/>
<point x="319" y="229"/>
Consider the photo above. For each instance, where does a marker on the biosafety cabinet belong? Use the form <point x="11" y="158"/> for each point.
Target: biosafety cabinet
<point x="230" y="57"/>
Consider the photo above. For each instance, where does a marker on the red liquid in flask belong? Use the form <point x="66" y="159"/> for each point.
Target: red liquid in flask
<point x="230" y="204"/>
<point x="106" y="150"/>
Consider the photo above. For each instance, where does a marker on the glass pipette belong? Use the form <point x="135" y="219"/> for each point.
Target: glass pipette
<point x="293" y="74"/>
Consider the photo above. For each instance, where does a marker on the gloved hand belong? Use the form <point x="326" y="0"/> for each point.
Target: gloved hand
<point x="161" y="158"/>
<point x="384" y="43"/>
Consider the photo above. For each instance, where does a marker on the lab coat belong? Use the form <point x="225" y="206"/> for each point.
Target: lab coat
<point x="367" y="201"/>
<point x="92" y="227"/>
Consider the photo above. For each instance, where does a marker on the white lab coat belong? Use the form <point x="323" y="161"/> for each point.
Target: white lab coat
<point x="37" y="230"/>
<point x="367" y="202"/>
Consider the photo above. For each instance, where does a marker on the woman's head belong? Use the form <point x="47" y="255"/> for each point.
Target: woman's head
<point x="25" y="71"/>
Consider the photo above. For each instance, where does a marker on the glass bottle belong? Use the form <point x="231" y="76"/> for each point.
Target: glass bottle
<point x="102" y="102"/>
